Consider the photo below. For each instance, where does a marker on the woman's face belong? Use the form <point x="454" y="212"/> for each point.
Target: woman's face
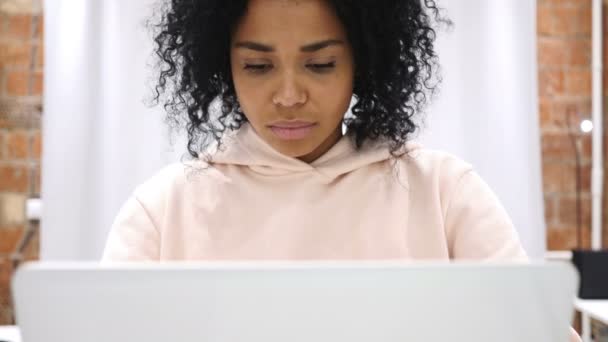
<point x="293" y="70"/>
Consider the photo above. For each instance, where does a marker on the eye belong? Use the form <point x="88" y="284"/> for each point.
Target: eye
<point x="322" y="68"/>
<point x="258" y="68"/>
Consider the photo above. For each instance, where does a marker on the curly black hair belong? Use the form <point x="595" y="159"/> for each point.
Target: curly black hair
<point x="395" y="66"/>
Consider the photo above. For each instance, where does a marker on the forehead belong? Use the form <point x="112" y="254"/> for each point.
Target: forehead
<point x="288" y="21"/>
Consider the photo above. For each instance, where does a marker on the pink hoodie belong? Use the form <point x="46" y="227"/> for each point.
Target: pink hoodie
<point x="252" y="202"/>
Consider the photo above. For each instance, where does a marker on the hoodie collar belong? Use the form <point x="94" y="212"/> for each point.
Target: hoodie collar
<point x="244" y="147"/>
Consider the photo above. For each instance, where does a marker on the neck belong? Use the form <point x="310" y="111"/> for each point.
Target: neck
<point x="324" y="147"/>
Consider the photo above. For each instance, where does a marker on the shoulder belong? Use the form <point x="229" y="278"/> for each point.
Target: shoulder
<point x="430" y="165"/>
<point x="433" y="176"/>
<point x="175" y="176"/>
<point x="475" y="222"/>
<point x="171" y="185"/>
<point x="165" y="181"/>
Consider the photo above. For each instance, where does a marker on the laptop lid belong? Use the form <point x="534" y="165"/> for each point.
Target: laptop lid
<point x="278" y="302"/>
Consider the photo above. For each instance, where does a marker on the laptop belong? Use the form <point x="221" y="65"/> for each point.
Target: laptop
<point x="295" y="302"/>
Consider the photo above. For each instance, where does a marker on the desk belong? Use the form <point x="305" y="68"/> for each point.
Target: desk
<point x="9" y="333"/>
<point x="596" y="309"/>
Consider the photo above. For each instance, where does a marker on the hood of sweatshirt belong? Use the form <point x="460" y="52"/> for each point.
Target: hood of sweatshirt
<point x="244" y="147"/>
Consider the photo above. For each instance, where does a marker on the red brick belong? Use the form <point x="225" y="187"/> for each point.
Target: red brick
<point x="605" y="48"/>
<point x="5" y="269"/>
<point x="544" y="113"/>
<point x="605" y="82"/>
<point x="568" y="210"/>
<point x="550" y="209"/>
<point x="560" y="177"/>
<point x="40" y="28"/>
<point x="565" y="238"/>
<point x="580" y="52"/>
<point x="605" y="16"/>
<point x="586" y="148"/>
<point x="20" y="26"/>
<point x="2" y="146"/>
<point x="14" y="178"/>
<point x="563" y="52"/>
<point x="571" y="20"/>
<point x="562" y="20"/>
<point x="40" y="55"/>
<point x="37" y="83"/>
<point x="36" y="181"/>
<point x="17" y="83"/>
<point x="17" y="144"/>
<point x="585" y="177"/>
<point x="9" y="237"/>
<point x="552" y="52"/>
<point x="3" y="21"/>
<point x="564" y="57"/>
<point x="15" y="55"/>
<point x="544" y="22"/>
<point x="578" y="82"/>
<point x="32" y="250"/>
<point x="605" y="152"/>
<point x="6" y="311"/>
<point x="559" y="146"/>
<point x="584" y="20"/>
<point x="554" y="114"/>
<point x="36" y="145"/>
<point x="551" y="82"/>
<point x="571" y="3"/>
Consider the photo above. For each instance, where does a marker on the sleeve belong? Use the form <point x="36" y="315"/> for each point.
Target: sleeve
<point x="477" y="225"/>
<point x="133" y="236"/>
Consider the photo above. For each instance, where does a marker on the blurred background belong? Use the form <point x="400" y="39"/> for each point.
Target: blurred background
<point x="76" y="135"/>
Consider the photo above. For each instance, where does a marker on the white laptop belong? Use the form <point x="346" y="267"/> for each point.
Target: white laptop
<point x="295" y="302"/>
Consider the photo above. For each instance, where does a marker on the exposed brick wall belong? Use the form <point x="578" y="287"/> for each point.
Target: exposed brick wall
<point x="21" y="64"/>
<point x="564" y="57"/>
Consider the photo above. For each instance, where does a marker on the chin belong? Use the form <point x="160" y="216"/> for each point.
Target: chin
<point x="294" y="149"/>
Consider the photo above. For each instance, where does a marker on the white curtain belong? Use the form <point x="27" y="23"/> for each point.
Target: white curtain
<point x="100" y="140"/>
<point x="487" y="108"/>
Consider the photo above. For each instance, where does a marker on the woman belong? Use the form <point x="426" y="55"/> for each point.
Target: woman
<point x="263" y="87"/>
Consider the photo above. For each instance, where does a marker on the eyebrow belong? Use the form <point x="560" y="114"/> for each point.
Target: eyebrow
<point x="306" y="48"/>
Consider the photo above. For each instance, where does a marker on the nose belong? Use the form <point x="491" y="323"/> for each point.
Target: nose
<point x="289" y="92"/>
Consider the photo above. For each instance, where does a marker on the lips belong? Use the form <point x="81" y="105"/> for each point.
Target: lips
<point x="292" y="130"/>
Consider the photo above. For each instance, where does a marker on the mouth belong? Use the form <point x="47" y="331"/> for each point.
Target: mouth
<point x="292" y="130"/>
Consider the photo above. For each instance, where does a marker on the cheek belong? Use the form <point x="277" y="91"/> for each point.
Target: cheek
<point x="335" y="95"/>
<point x="245" y="89"/>
<point x="250" y="96"/>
